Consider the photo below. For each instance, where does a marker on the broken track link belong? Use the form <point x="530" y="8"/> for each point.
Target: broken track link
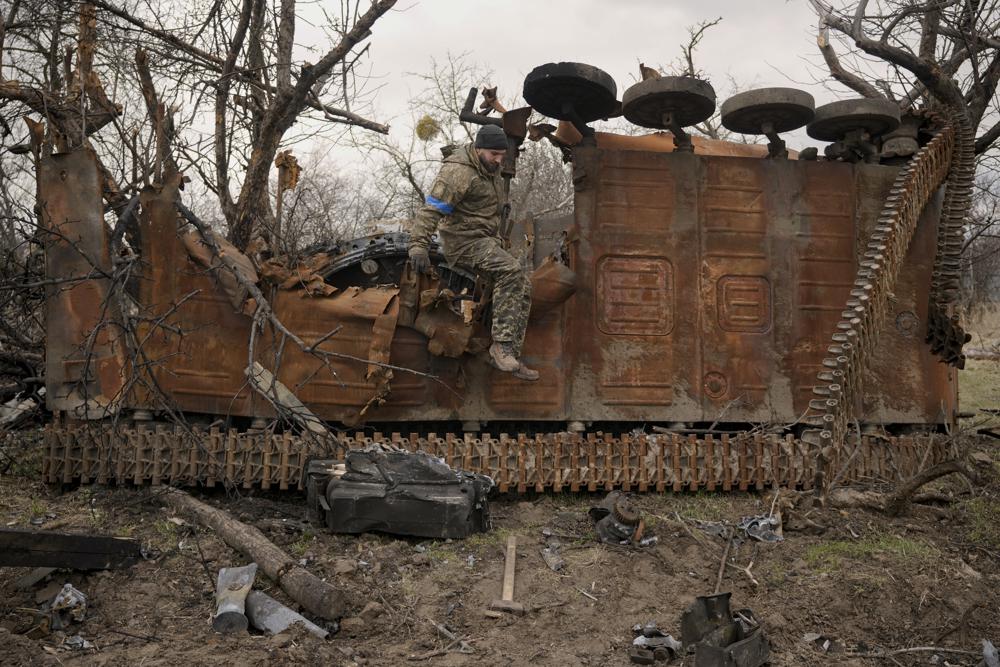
<point x="518" y="464"/>
<point x="840" y="388"/>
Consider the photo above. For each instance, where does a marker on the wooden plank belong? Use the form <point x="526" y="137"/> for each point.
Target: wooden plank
<point x="36" y="548"/>
<point x="510" y="562"/>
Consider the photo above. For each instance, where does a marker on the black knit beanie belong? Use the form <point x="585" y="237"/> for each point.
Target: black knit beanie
<point x="492" y="137"/>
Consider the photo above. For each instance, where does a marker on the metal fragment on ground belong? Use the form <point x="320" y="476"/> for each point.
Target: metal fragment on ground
<point x="232" y="587"/>
<point x="70" y="604"/>
<point x="722" y="638"/>
<point x="650" y="636"/>
<point x="760" y="528"/>
<point x="267" y="614"/>
<point x="617" y="520"/>
<point x="399" y="492"/>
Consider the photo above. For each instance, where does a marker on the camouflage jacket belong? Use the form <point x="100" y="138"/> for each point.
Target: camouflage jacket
<point x="464" y="201"/>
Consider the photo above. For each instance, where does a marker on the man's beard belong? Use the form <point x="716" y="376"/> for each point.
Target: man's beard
<point x="489" y="166"/>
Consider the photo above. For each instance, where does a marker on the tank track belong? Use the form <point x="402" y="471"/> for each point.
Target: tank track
<point x="518" y="464"/>
<point x="944" y="330"/>
<point x="839" y="391"/>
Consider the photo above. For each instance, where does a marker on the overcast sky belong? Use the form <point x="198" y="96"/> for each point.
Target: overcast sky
<point x="758" y="43"/>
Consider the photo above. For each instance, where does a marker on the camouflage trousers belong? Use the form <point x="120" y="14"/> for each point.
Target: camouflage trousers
<point x="511" y="285"/>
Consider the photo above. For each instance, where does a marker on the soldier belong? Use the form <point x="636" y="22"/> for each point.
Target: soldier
<point x="465" y="201"/>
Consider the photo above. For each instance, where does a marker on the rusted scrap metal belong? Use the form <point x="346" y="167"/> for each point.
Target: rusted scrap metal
<point x="615" y="347"/>
<point x="85" y="356"/>
<point x="518" y="464"/>
<point x="36" y="548"/>
<point x="660" y="245"/>
<point x="617" y="520"/>
<point x="723" y="638"/>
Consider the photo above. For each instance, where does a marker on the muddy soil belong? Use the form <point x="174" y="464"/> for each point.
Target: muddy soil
<point x="860" y="581"/>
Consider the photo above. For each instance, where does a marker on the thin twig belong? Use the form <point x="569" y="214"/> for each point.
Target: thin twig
<point x="722" y="565"/>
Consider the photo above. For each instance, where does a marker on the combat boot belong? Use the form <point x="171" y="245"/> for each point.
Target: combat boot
<point x="502" y="357"/>
<point x="525" y="373"/>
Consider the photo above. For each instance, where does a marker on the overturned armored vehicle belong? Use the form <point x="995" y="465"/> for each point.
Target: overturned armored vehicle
<point x="712" y="315"/>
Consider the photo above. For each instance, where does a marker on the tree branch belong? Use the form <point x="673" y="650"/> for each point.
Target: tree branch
<point x="221" y="98"/>
<point x="281" y="114"/>
<point x="987" y="139"/>
<point x="286" y="36"/>
<point x="837" y="71"/>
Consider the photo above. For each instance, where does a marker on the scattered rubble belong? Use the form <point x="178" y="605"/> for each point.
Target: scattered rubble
<point x="617" y="520"/>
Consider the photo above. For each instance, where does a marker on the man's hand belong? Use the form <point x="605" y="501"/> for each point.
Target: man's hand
<point x="420" y="260"/>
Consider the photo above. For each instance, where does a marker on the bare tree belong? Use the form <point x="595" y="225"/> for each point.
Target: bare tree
<point x="328" y="205"/>
<point x="236" y="57"/>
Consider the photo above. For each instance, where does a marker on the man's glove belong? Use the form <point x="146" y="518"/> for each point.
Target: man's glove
<point x="420" y="260"/>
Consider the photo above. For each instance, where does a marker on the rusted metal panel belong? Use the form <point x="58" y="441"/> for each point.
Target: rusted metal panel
<point x="338" y="388"/>
<point x="823" y="260"/>
<point x="84" y="356"/>
<point x="737" y="225"/>
<point x="907" y="383"/>
<point x="633" y="319"/>
<point x="708" y="286"/>
<point x="510" y="398"/>
<point x="195" y="344"/>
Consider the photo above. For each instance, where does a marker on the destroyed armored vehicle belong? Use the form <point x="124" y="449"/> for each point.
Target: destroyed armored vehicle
<point x="712" y="315"/>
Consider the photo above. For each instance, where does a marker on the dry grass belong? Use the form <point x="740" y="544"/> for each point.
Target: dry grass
<point x="979" y="382"/>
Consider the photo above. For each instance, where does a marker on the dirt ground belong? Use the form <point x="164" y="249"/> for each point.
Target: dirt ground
<point x="863" y="581"/>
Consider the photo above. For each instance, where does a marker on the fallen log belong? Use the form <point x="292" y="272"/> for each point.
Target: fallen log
<point x="315" y="595"/>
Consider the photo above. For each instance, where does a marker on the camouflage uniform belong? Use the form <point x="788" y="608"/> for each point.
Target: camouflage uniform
<point x="465" y="202"/>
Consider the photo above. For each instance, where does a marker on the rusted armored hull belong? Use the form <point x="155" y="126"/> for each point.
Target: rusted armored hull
<point x="706" y="288"/>
<point x="703" y="289"/>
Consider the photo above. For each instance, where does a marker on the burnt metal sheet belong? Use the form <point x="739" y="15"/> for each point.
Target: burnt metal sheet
<point x="340" y="388"/>
<point x="195" y="344"/>
<point x="84" y="355"/>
